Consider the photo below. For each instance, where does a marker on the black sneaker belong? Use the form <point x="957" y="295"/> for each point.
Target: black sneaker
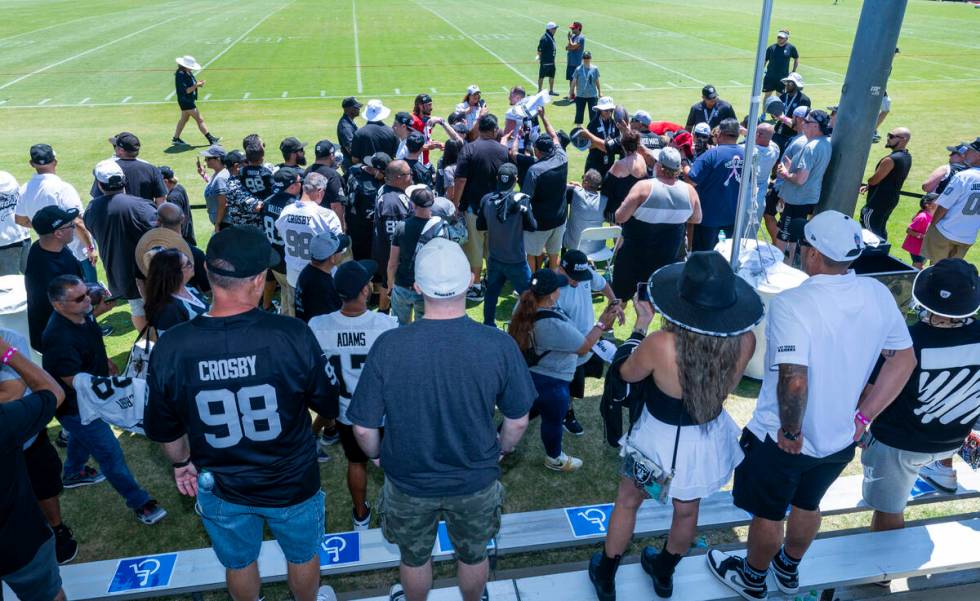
<point x="475" y="293"/>
<point x="88" y="476"/>
<point x="604" y="590"/>
<point x="213" y="139"/>
<point x="572" y="426"/>
<point x="664" y="587"/>
<point x="730" y="571"/>
<point x="553" y="93"/>
<point x="61" y="440"/>
<point x="65" y="545"/>
<point x="178" y="142"/>
<point x="787" y="578"/>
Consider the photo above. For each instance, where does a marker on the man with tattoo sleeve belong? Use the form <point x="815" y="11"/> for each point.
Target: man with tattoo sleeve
<point x="824" y="339"/>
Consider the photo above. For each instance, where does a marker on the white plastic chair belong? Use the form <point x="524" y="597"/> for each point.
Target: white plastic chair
<point x="604" y="234"/>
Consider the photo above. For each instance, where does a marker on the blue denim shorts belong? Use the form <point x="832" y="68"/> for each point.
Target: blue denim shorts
<point x="236" y="530"/>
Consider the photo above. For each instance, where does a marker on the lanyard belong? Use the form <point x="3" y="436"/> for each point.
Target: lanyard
<point x="709" y="116"/>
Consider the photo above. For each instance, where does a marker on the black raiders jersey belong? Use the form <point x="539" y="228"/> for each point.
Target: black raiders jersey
<point x="257" y="179"/>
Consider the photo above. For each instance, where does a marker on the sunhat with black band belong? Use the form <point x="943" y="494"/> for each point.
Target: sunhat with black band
<point x="705" y="296"/>
<point x="950" y="288"/>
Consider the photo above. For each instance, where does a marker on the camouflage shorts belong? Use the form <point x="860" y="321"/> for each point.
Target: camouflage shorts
<point x="411" y="522"/>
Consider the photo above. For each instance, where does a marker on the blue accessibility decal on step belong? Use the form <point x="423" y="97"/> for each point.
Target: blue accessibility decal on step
<point x="141" y="573"/>
<point x="341" y="548"/>
<point x="589" y="520"/>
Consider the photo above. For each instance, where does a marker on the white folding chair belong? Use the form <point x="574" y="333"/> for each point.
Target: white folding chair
<point x="604" y="234"/>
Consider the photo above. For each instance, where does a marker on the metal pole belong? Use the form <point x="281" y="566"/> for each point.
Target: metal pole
<point x="747" y="191"/>
<point x="864" y="86"/>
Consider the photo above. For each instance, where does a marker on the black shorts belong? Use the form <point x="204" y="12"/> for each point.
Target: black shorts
<point x="570" y="71"/>
<point x="772" y="202"/>
<point x="769" y="480"/>
<point x="792" y="221"/>
<point x="546" y="70"/>
<point x="187" y="105"/>
<point x="43" y="467"/>
<point x="595" y="367"/>
<point x="352" y="450"/>
<point x="773" y="84"/>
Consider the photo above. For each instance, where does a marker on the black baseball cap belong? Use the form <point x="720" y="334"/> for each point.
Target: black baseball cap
<point x="415" y="141"/>
<point x="546" y="281"/>
<point x="351" y="277"/>
<point x="350" y="103"/>
<point x="379" y="160"/>
<point x="52" y="217"/>
<point x="819" y="117"/>
<point x="290" y="145"/>
<point x="125" y="140"/>
<point x="287" y="176"/>
<point x="424" y="99"/>
<point x="244" y="248"/>
<point x="506" y="176"/>
<point x="166" y="171"/>
<point x="709" y="92"/>
<point x="576" y="265"/>
<point x="233" y="158"/>
<point x="323" y="148"/>
<point x="42" y="154"/>
<point x="403" y="118"/>
<point x="544" y="144"/>
<point x="975" y="145"/>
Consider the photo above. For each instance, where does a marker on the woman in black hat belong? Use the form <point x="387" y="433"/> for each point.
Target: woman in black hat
<point x="683" y="374"/>
<point x="552" y="345"/>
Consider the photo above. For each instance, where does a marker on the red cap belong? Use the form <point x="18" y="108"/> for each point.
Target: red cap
<point x="575" y="25"/>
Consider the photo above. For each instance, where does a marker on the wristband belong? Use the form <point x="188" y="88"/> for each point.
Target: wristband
<point x="8" y="355"/>
<point x="89" y="248"/>
<point x="790" y="436"/>
<point x="861" y="417"/>
<point x="602" y="327"/>
<point x="179" y="464"/>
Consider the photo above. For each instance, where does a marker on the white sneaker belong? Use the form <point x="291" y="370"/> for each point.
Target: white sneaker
<point x="940" y="476"/>
<point x="361" y="525"/>
<point x="563" y="463"/>
<point x="396" y="593"/>
<point x="326" y="593"/>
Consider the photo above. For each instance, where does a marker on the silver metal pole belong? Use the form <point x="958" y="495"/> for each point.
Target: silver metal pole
<point x="747" y="190"/>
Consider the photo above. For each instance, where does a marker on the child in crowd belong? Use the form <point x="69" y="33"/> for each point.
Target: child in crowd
<point x="917" y="229"/>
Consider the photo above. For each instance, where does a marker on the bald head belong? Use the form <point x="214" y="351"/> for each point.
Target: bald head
<point x="170" y="216"/>
<point x="763" y="134"/>
<point x="398" y="174"/>
<point x="898" y="138"/>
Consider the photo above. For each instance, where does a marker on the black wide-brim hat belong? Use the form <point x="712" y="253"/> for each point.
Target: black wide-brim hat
<point x="950" y="288"/>
<point x="705" y="296"/>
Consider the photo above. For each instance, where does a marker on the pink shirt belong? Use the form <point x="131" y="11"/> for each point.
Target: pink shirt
<point x="920" y="223"/>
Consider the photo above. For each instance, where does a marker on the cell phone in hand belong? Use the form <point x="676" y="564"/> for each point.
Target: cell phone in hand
<point x="643" y="291"/>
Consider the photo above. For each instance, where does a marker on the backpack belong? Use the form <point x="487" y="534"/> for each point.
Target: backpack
<point x="435" y="227"/>
<point x="530" y="356"/>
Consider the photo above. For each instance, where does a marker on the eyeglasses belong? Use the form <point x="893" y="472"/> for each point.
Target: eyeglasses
<point x="69" y="226"/>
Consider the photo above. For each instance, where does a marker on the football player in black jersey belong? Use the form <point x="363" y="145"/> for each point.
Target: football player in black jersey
<point x="229" y="398"/>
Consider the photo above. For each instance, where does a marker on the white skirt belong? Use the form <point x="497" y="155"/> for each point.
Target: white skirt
<point x="706" y="455"/>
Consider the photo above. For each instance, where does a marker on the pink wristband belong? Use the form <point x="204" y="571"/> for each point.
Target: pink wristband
<point x="8" y="355"/>
<point x="861" y="417"/>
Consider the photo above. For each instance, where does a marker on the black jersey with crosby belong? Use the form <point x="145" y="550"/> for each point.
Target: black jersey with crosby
<point x="240" y="387"/>
<point x="941" y="401"/>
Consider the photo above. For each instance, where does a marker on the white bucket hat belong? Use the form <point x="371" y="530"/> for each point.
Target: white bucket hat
<point x="376" y="111"/>
<point x="605" y="104"/>
<point x="188" y="62"/>
<point x="795" y="78"/>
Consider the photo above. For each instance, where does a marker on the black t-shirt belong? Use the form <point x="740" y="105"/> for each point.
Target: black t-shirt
<point x="177" y="311"/>
<point x="607" y="130"/>
<point x="335" y="184"/>
<point x="940" y="403"/>
<point x="545" y="183"/>
<point x="143" y="179"/>
<point x="406" y="238"/>
<point x="42" y="267"/>
<point x="790" y="103"/>
<point x="363" y="192"/>
<point x="315" y="294"/>
<point x="778" y="58"/>
<point x="393" y="206"/>
<point x="271" y="209"/>
<point x="478" y="163"/>
<point x="699" y="113"/>
<point x="70" y="349"/>
<point x="374" y="137"/>
<point x="345" y="136"/>
<point x="257" y="179"/>
<point x="241" y="388"/>
<point x="182" y="81"/>
<point x="118" y="222"/>
<point x="422" y="173"/>
<point x="547" y="48"/>
<point x="23" y="528"/>
<point x="178" y="196"/>
<point x="200" y="279"/>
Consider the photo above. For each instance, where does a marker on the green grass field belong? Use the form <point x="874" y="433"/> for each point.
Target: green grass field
<point x="74" y="73"/>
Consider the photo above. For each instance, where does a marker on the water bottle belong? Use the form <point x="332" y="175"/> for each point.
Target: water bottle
<point x="722" y="237"/>
<point x="810" y="596"/>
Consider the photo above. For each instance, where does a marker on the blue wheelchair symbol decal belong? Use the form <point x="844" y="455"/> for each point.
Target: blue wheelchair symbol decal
<point x="140" y="573"/>
<point x="590" y="520"/>
<point x="339" y="549"/>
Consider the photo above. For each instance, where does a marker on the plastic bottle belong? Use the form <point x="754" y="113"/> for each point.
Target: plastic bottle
<point x="810" y="596"/>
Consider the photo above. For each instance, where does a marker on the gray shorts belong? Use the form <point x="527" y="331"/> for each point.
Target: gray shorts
<point x="136" y="307"/>
<point x="890" y="473"/>
<point x="544" y="241"/>
<point x="39" y="580"/>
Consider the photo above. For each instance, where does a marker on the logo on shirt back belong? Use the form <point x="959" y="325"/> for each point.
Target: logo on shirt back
<point x="786" y="348"/>
<point x="949" y="384"/>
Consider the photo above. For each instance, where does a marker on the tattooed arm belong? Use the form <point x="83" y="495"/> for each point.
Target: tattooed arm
<point x="791" y="392"/>
<point x="892" y="377"/>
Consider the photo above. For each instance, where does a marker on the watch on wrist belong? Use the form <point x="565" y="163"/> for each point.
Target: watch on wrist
<point x="790" y="436"/>
<point x="179" y="464"/>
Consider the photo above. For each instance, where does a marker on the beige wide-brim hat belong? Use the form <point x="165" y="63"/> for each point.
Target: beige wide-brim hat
<point x="157" y="239"/>
<point x="188" y="62"/>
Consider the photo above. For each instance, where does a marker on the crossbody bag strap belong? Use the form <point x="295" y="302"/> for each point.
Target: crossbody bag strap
<point x="677" y="439"/>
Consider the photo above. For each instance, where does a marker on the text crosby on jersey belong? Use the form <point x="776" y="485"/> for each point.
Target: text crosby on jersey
<point x="226" y="369"/>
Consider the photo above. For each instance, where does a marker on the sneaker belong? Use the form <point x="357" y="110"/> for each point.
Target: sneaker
<point x="787" y="579"/>
<point x="326" y="593"/>
<point x="150" y="513"/>
<point x="553" y="93"/>
<point x="88" y="476"/>
<point x="397" y="593"/>
<point x="212" y="139"/>
<point x="572" y="426"/>
<point x="664" y="587"/>
<point x="564" y="463"/>
<point x="730" y="571"/>
<point x="875" y="138"/>
<point x="361" y="524"/>
<point x="329" y="437"/>
<point x="604" y="590"/>
<point x="106" y="329"/>
<point x="178" y="142"/>
<point x="62" y="439"/>
<point x="65" y="545"/>
<point x="940" y="476"/>
<point x="475" y="293"/>
<point x="322" y="456"/>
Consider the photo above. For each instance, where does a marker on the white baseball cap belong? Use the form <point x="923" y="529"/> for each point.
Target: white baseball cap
<point x="702" y="129"/>
<point x="473" y="89"/>
<point x="376" y="110"/>
<point x="551" y="25"/>
<point x="835" y="235"/>
<point x="105" y="172"/>
<point x="442" y="270"/>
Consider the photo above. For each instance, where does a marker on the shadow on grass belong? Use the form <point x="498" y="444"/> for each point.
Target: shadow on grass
<point x="182" y="148"/>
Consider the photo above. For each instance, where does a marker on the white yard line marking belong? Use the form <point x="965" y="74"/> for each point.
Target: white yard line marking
<point x="241" y="37"/>
<point x="43" y="102"/>
<point x="170" y="95"/>
<point x="89" y="51"/>
<point x="84" y="100"/>
<point x="735" y="82"/>
<point x="357" y="48"/>
<point x="505" y="88"/>
<point x="639" y="86"/>
<point x="472" y="39"/>
<point x="323" y="92"/>
<point x="126" y="99"/>
<point x="246" y="95"/>
<point x="285" y="95"/>
<point x="672" y="84"/>
<point x="63" y="23"/>
<point x="609" y="86"/>
<point x="3" y="102"/>
<point x="398" y="92"/>
<point x="829" y="80"/>
<point x="207" y="96"/>
<point x="434" y="91"/>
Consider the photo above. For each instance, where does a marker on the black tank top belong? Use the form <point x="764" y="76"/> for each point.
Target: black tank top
<point x="665" y="408"/>
<point x="615" y="189"/>
<point x="884" y="195"/>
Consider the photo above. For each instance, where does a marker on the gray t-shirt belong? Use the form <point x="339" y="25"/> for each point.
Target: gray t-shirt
<point x="585" y="211"/>
<point x="586" y="81"/>
<point x="437" y="403"/>
<point x="814" y="157"/>
<point x="218" y="186"/>
<point x="561" y="339"/>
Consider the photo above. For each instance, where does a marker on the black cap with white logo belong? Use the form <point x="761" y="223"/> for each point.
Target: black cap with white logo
<point x="576" y="265"/>
<point x="42" y="154"/>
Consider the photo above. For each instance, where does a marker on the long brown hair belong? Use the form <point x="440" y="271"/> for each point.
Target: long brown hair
<point x="706" y="370"/>
<point x="522" y="322"/>
<point x="165" y="277"/>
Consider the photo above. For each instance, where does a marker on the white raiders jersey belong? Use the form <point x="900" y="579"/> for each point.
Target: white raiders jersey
<point x="345" y="342"/>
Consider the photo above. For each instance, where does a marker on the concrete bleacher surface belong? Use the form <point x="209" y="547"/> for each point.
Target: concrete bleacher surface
<point x="924" y="549"/>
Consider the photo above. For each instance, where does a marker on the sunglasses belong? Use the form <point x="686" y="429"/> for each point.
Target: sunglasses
<point x="78" y="299"/>
<point x="890" y="136"/>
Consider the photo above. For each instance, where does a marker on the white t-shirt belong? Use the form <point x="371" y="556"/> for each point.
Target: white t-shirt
<point x="48" y="189"/>
<point x="298" y="223"/>
<point x="10" y="232"/>
<point x="961" y="199"/>
<point x="765" y="160"/>
<point x="345" y="342"/>
<point x="837" y="326"/>
<point x="576" y="302"/>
